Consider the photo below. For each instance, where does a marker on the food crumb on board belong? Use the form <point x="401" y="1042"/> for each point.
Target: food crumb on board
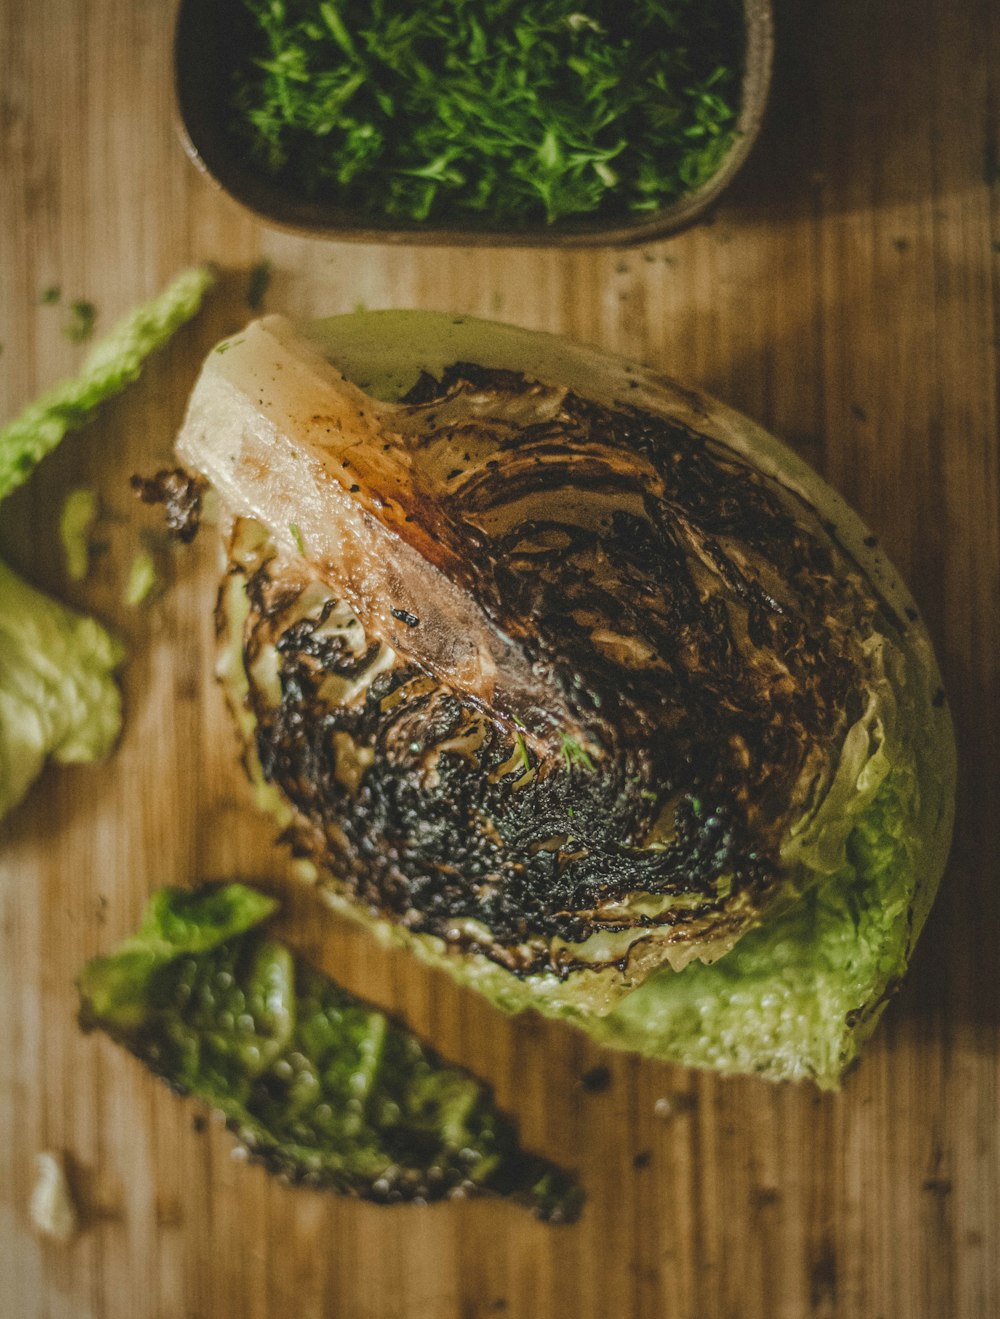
<point x="52" y="1209"/>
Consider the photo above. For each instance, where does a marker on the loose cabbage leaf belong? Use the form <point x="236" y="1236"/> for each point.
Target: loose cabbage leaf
<point x="58" y="695"/>
<point x="319" y="1085"/>
<point x="57" y="690"/>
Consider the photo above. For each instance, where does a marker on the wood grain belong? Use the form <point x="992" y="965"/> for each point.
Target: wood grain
<point x="848" y="296"/>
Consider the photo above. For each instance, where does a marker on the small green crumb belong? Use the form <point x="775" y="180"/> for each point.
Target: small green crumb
<point x="83" y="318"/>
<point x="257" y="286"/>
<point x="79" y="512"/>
<point x="50" y="296"/>
<point x="141" y="579"/>
<point x="296" y="534"/>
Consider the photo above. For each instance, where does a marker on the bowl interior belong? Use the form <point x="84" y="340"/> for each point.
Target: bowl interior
<point x="203" y="50"/>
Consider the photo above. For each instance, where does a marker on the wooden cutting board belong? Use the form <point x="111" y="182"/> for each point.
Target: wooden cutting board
<point x="847" y="296"/>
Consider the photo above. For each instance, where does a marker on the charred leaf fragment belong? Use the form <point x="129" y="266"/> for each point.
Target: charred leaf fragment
<point x="318" y="1085"/>
<point x="181" y="493"/>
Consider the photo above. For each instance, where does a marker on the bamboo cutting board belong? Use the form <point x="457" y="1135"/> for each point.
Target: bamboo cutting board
<point x="847" y="296"/>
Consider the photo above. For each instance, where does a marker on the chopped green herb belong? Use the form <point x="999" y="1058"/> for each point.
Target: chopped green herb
<point x="512" y="113"/>
<point x="296" y="535"/>
<point x="50" y="296"/>
<point x="141" y="579"/>
<point x="258" y="284"/>
<point x="574" y="754"/>
<point x="320" y="1086"/>
<point x="83" y="318"/>
<point x="522" y="751"/>
<point x="79" y="512"/>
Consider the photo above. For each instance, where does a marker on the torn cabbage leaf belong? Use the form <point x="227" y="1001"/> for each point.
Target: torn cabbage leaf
<point x="58" y="695"/>
<point x="317" y="1084"/>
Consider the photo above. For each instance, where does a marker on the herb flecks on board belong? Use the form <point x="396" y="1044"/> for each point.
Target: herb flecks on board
<point x="320" y="1086"/>
<point x="506" y="113"/>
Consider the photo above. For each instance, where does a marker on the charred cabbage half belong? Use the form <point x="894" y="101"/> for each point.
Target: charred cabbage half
<point x="577" y="682"/>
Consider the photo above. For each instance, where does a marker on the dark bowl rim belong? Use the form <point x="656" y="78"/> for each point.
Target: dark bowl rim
<point x="212" y="153"/>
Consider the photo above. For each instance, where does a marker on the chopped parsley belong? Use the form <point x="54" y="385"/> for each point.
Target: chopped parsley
<point x="522" y="752"/>
<point x="574" y="754"/>
<point x="82" y="319"/>
<point x="506" y="112"/>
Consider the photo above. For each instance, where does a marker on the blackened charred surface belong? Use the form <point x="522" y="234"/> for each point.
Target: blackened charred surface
<point x="695" y="621"/>
<point x="435" y="833"/>
<point x="669" y="592"/>
<point x="181" y="493"/>
<point x="331" y="654"/>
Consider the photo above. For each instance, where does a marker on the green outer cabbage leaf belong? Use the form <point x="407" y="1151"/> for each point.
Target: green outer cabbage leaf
<point x="318" y="1085"/>
<point x="58" y="694"/>
<point x="796" y="997"/>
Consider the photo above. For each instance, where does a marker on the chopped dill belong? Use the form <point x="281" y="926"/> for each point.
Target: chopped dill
<point x="574" y="754"/>
<point x="522" y="751"/>
<point x="503" y="111"/>
<point x="296" y="535"/>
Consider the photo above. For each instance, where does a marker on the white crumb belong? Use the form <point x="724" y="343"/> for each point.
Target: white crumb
<point x="52" y="1210"/>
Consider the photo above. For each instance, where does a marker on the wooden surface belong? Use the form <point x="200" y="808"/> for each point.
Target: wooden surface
<point x="847" y="296"/>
